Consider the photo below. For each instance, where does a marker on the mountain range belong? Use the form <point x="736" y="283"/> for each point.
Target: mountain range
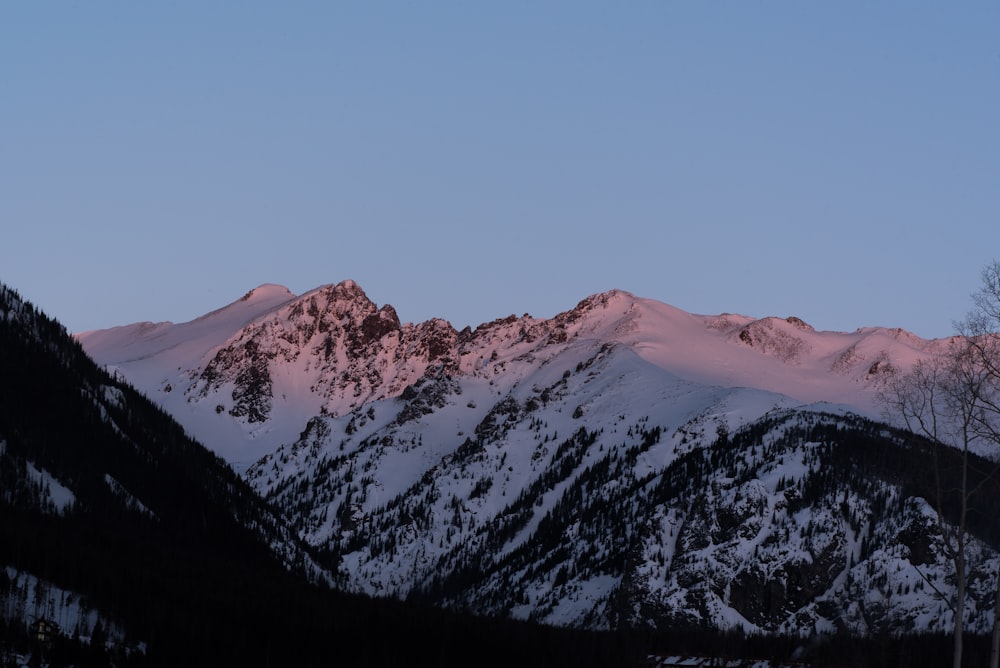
<point x="247" y="377"/>
<point x="623" y="464"/>
<point x="619" y="479"/>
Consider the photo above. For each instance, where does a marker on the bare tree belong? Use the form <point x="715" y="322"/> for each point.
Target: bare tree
<point x="932" y="400"/>
<point x="954" y="401"/>
<point x="980" y="330"/>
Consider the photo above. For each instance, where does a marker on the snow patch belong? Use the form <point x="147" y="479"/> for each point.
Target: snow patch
<point x="60" y="496"/>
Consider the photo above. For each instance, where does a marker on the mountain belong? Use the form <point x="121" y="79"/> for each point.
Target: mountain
<point x="622" y="465"/>
<point x="246" y="378"/>
<point x="144" y="548"/>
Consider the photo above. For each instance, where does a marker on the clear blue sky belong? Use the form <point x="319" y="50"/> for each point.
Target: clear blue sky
<point x="837" y="161"/>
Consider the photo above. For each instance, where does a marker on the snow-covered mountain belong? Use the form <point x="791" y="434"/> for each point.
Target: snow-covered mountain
<point x="245" y="379"/>
<point x="623" y="463"/>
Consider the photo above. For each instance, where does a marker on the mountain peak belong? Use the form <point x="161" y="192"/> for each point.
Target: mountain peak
<point x="800" y="323"/>
<point x="605" y="298"/>
<point x="340" y="297"/>
<point x="348" y="289"/>
<point x="267" y="291"/>
<point x="600" y="300"/>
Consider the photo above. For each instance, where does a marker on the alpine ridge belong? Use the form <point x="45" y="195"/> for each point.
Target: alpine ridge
<point x="247" y="377"/>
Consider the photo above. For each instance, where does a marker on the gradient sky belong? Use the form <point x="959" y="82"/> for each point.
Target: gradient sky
<point x="836" y="161"/>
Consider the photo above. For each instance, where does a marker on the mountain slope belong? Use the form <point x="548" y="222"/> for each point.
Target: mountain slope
<point x="645" y="509"/>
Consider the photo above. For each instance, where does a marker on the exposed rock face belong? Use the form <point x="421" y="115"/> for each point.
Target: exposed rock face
<point x="349" y="347"/>
<point x="376" y="326"/>
<point x="773" y="336"/>
<point x="354" y="350"/>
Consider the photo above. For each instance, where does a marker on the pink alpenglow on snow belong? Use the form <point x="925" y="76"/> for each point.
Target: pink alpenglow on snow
<point x="247" y="378"/>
